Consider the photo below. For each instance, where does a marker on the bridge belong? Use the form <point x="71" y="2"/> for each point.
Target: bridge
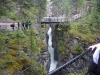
<point x="52" y="20"/>
<point x="60" y="19"/>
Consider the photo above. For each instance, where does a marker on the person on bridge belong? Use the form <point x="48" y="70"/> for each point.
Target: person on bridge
<point x="29" y="23"/>
<point x="23" y="26"/>
<point x="26" y="25"/>
<point x="13" y="25"/>
<point x="49" y="19"/>
<point x="18" y="25"/>
<point x="94" y="66"/>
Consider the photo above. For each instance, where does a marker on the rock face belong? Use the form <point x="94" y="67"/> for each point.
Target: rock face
<point x="44" y="59"/>
<point x="66" y="48"/>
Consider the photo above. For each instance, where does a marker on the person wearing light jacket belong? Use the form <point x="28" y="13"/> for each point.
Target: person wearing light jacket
<point x="94" y="66"/>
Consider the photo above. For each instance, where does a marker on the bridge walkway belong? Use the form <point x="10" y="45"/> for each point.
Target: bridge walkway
<point x="53" y="20"/>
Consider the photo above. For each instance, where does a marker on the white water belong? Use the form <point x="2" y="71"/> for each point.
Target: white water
<point x="53" y="63"/>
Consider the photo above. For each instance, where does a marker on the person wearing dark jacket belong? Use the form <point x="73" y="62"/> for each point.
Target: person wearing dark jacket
<point x="29" y="23"/>
<point x="94" y="66"/>
<point x="13" y="25"/>
<point x="18" y="25"/>
<point x="23" y="26"/>
<point x="26" y="25"/>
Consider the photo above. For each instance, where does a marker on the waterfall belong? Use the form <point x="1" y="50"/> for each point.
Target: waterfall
<point x="53" y="63"/>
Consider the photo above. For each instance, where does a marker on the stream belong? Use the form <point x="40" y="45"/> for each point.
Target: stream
<point x="53" y="63"/>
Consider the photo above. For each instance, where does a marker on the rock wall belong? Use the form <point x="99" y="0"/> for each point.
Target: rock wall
<point x="66" y="48"/>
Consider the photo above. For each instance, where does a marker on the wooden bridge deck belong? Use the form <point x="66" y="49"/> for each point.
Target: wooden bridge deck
<point x="52" y="20"/>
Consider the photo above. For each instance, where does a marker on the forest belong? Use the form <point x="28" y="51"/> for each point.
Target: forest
<point x="21" y="51"/>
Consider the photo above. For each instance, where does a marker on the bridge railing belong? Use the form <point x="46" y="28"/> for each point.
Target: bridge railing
<point x="76" y="66"/>
<point x="7" y="26"/>
<point x="54" y="19"/>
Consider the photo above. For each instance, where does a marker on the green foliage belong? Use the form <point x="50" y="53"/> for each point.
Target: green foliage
<point x="20" y="34"/>
<point x="3" y="42"/>
<point x="75" y="74"/>
<point x="78" y="29"/>
<point x="12" y="15"/>
<point x="62" y="48"/>
<point x="92" y="17"/>
<point x="6" y="7"/>
<point x="41" y="5"/>
<point x="78" y="49"/>
<point x="17" y="34"/>
<point x="65" y="27"/>
<point x="34" y="32"/>
<point x="68" y="7"/>
<point x="14" y="58"/>
<point x="2" y="64"/>
<point x="83" y="29"/>
<point x="87" y="26"/>
<point x="8" y="59"/>
<point x="22" y="10"/>
<point x="12" y="52"/>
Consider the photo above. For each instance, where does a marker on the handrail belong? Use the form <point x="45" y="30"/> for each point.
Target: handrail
<point x="68" y="63"/>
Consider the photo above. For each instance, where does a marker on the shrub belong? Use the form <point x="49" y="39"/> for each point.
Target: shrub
<point x="12" y="52"/>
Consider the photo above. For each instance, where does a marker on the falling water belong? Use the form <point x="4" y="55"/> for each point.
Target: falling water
<point x="53" y="63"/>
